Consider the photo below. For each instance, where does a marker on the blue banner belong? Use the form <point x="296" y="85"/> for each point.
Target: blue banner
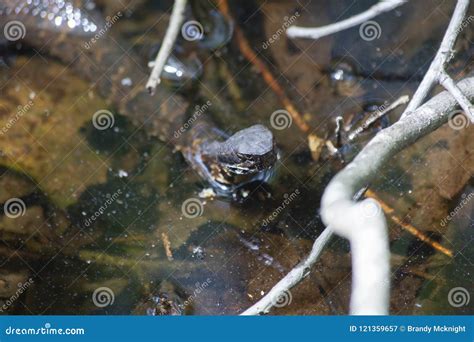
<point x="231" y="328"/>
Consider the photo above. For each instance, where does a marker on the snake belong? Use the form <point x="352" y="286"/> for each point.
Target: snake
<point x="74" y="32"/>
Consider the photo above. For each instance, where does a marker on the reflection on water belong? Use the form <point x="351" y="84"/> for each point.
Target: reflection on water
<point x="103" y="229"/>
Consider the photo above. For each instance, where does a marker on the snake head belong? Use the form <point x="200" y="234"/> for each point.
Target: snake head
<point x="251" y="150"/>
<point x="248" y="155"/>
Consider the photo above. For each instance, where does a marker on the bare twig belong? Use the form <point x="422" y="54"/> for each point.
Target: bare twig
<point x="366" y="228"/>
<point x="437" y="73"/>
<point x="177" y="18"/>
<point x="377" y="115"/>
<point x="447" y="82"/>
<point x="302" y="270"/>
<point x="319" y="32"/>
<point x="298" y="273"/>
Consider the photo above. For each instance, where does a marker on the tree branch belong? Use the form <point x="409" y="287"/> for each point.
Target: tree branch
<point x="363" y="223"/>
<point x="366" y="228"/>
<point x="388" y="142"/>
<point x="437" y="73"/>
<point x="176" y="20"/>
<point x="447" y="82"/>
<point x="319" y="32"/>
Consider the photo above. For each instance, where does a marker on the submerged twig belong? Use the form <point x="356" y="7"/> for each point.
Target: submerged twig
<point x="167" y="246"/>
<point x="319" y="32"/>
<point x="176" y="20"/>
<point x="362" y="223"/>
<point x="271" y="81"/>
<point x="437" y="73"/>
<point x="408" y="227"/>
<point x="252" y="57"/>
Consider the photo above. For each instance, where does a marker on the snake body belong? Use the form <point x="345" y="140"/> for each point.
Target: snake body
<point x="76" y="36"/>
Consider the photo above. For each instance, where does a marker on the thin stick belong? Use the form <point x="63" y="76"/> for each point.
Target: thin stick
<point x="319" y="32"/>
<point x="436" y="72"/>
<point x="377" y="115"/>
<point x="176" y="20"/>
<point x="447" y="82"/>
<point x="297" y="274"/>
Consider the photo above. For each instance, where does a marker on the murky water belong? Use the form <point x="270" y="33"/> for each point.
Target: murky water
<point x="105" y="228"/>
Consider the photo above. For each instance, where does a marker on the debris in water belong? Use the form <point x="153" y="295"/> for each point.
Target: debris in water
<point x="122" y="173"/>
<point x="167" y="245"/>
<point x="207" y="193"/>
<point x="127" y="82"/>
<point x="198" y="253"/>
